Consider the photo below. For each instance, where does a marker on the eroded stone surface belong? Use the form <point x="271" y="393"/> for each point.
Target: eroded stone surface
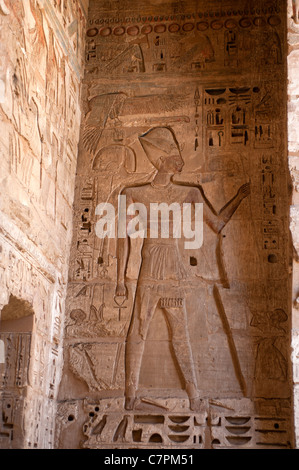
<point x="185" y="335"/>
<point x="191" y="348"/>
<point x="42" y="45"/>
<point x="293" y="83"/>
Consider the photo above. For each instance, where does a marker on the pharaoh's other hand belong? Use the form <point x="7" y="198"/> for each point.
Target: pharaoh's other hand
<point x="121" y="290"/>
<point x="244" y="190"/>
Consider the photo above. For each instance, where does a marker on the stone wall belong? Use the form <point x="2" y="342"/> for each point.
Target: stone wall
<point x="42" y="50"/>
<point x="293" y="158"/>
<point x="215" y="83"/>
<point x="192" y="348"/>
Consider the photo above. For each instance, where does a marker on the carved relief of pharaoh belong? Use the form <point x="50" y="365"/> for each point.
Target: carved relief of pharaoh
<point x="162" y="277"/>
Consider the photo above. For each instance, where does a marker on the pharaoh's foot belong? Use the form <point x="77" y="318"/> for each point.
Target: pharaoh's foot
<point x="129" y="403"/>
<point x="196" y="404"/>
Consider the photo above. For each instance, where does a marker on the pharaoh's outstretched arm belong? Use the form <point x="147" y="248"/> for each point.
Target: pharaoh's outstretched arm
<point x="228" y="210"/>
<point x="218" y="221"/>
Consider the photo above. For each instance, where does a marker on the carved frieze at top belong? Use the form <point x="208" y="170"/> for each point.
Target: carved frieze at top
<point x="206" y="41"/>
<point x="95" y="17"/>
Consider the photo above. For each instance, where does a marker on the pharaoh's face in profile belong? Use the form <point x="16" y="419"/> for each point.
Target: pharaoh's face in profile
<point x="172" y="163"/>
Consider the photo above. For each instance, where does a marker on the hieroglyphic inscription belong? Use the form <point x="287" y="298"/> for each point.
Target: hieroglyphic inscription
<point x="218" y="426"/>
<point x="175" y="43"/>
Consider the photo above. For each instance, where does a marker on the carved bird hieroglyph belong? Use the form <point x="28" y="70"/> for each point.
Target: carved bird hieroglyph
<point x="100" y="109"/>
<point x="104" y="111"/>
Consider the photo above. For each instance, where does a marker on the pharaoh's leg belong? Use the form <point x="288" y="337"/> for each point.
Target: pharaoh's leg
<point x="144" y="308"/>
<point x="177" y="320"/>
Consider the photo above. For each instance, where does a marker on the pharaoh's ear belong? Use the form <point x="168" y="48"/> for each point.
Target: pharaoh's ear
<point x="161" y="161"/>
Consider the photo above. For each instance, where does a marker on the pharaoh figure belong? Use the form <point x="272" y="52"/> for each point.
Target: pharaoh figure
<point x="162" y="277"/>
